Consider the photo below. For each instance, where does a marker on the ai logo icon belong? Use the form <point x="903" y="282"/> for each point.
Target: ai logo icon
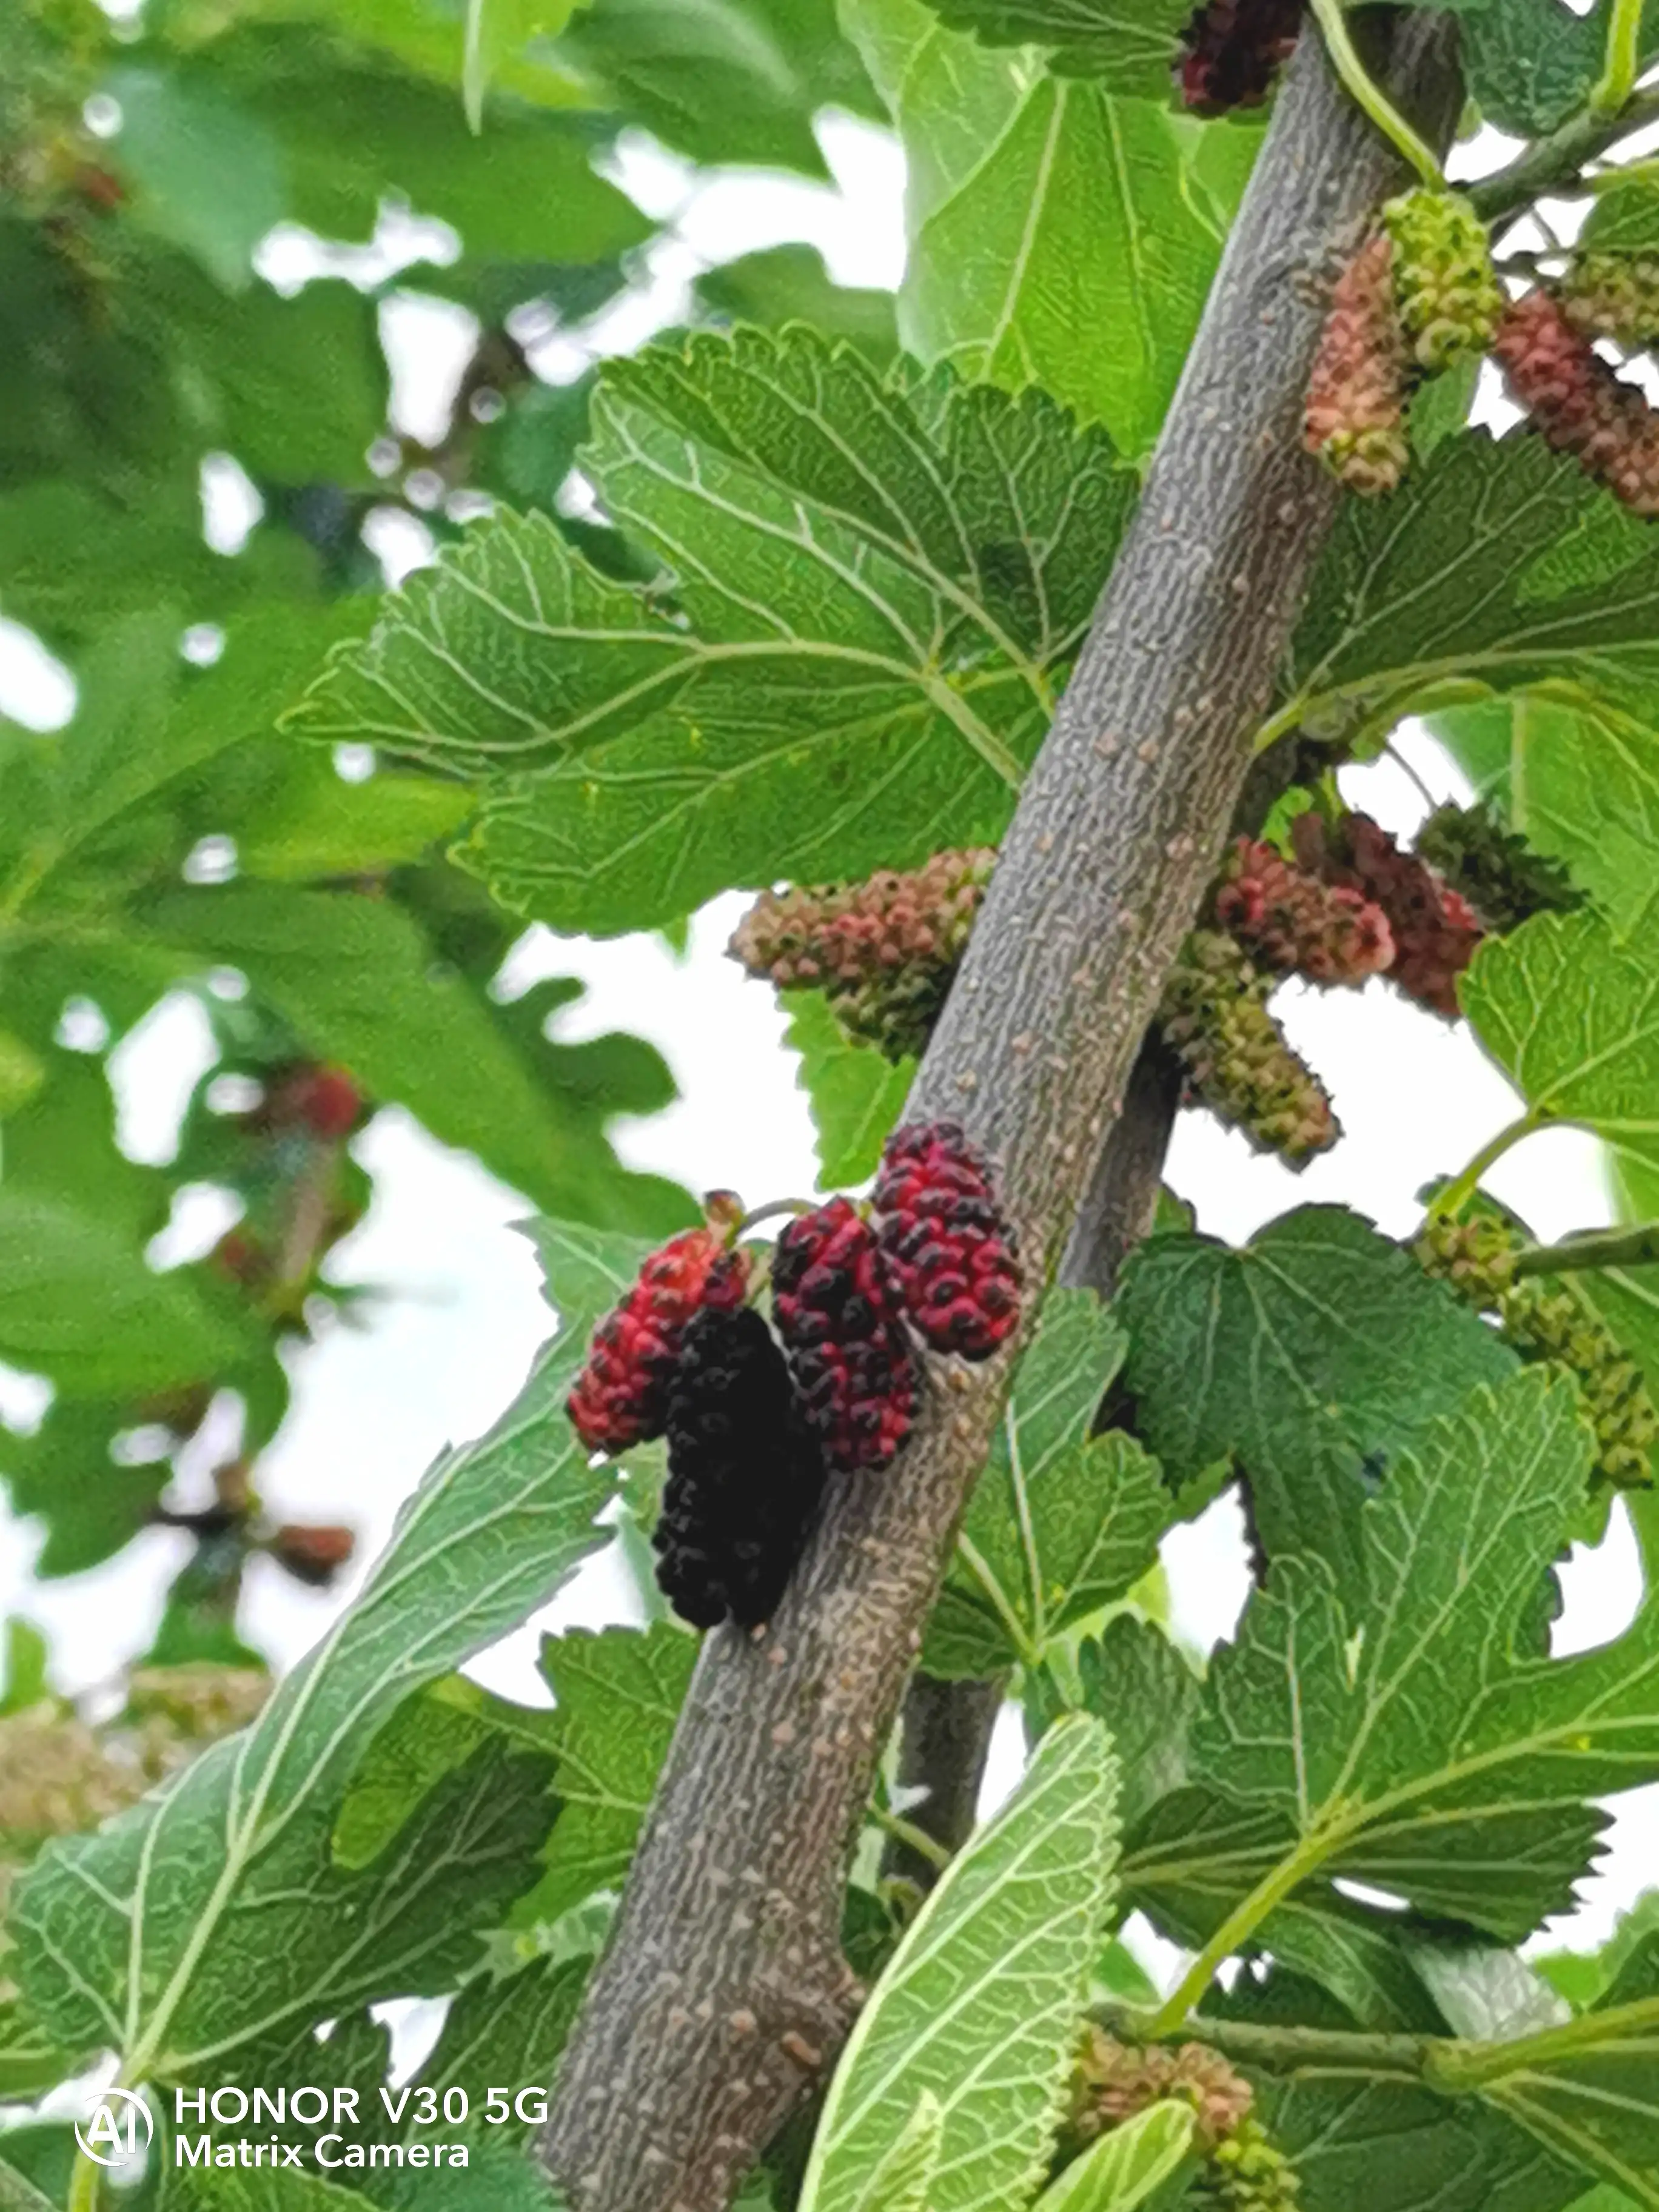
<point x="118" y="2126"/>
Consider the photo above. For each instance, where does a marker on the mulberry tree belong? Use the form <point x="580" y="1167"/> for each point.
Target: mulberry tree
<point x="1016" y="650"/>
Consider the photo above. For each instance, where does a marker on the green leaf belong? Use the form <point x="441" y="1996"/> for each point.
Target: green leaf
<point x="78" y="1303"/>
<point x="1042" y="210"/>
<point x="1314" y="1355"/>
<point x="315" y="824"/>
<point x="1124" y="2167"/>
<point x="205" y="174"/>
<point x="1572" y="1016"/>
<point x="497" y="29"/>
<point x="1135" y="1679"/>
<point x="980" y="2003"/>
<point x="619" y="1696"/>
<point x="428" y="1738"/>
<point x="877" y="589"/>
<point x="1582" y="785"/>
<point x="786" y="284"/>
<point x="1484" y="1992"/>
<point x="156" y="1910"/>
<point x="1062" y="1521"/>
<point x="723" y="81"/>
<point x="1625" y="218"/>
<point x="1131" y="49"/>
<point x="22" y="1073"/>
<point x="1530" y="63"/>
<point x="1461" y="579"/>
<point x="903" y="2179"/>
<point x="855" y="1095"/>
<point x="357" y="979"/>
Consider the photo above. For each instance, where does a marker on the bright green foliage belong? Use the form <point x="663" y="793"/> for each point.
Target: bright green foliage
<point x="855" y="1095"/>
<point x="1125" y="2167"/>
<point x="1313" y="1356"/>
<point x="853" y="673"/>
<point x="1045" y="212"/>
<point x="1063" y="1521"/>
<point x="992" y="1970"/>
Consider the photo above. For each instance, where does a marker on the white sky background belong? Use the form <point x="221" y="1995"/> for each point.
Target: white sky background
<point x="449" y="1345"/>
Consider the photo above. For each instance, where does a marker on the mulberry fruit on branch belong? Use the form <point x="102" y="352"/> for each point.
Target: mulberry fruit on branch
<point x="1243" y="2170"/>
<point x="945" y="1240"/>
<point x="745" y="1474"/>
<point x="1614" y="295"/>
<point x="1551" y="1320"/>
<point x="1234" y="51"/>
<point x="883" y="952"/>
<point x="1435" y="930"/>
<point x="1578" y="404"/>
<point x="1446" y="291"/>
<point x="1495" y="869"/>
<point x="1355" y="418"/>
<point x="839" y="1315"/>
<point x="1294" y="922"/>
<point x="621" y="1396"/>
<point x="1237" y="1060"/>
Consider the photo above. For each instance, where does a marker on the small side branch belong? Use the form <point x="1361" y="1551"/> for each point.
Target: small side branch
<point x="1601" y="1248"/>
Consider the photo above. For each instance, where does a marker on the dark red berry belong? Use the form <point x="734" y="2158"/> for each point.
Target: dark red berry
<point x="1435" y="930"/>
<point x="312" y="1554"/>
<point x="945" y="1240"/>
<point x="1234" y="51"/>
<point x="839" y="1315"/>
<point x="621" y="1396"/>
<point x="745" y="1474"/>
<point x="1292" y="922"/>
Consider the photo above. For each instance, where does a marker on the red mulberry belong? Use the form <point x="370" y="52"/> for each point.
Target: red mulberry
<point x="1447" y="293"/>
<point x="1234" y="51"/>
<point x="839" y="1316"/>
<point x="1356" y="409"/>
<point x="883" y="952"/>
<point x="621" y="1396"/>
<point x="1435" y="930"/>
<point x="945" y="1240"/>
<point x="1614" y="295"/>
<point x="1236" y="1062"/>
<point x="312" y="1554"/>
<point x="1294" y="923"/>
<point x="745" y="1474"/>
<point x="1576" y="401"/>
<point x="1494" y="869"/>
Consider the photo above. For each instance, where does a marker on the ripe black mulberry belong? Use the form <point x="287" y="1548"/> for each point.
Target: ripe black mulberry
<point x="1233" y="50"/>
<point x="621" y="1396"/>
<point x="945" y="1240"/>
<point x="745" y="1474"/>
<point x="839" y="1315"/>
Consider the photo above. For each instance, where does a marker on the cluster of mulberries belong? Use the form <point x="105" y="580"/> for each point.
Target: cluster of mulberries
<point x="1233" y="50"/>
<point x="1294" y="922"/>
<point x="1235" y="1058"/>
<point x="1243" y="2170"/>
<point x="883" y="952"/>
<point x="1614" y="295"/>
<point x="1445" y="289"/>
<point x="754" y="1424"/>
<point x="1578" y="402"/>
<point x="745" y="1474"/>
<point x="1435" y="931"/>
<point x="1495" y="869"/>
<point x="840" y="1315"/>
<point x="1551" y="1320"/>
<point x="1355" y="416"/>
<point x="621" y="1396"/>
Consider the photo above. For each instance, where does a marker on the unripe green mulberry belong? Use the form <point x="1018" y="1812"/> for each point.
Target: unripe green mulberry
<point x="1495" y="869"/>
<point x="1237" y="1062"/>
<point x="1551" y="1319"/>
<point x="1448" y="297"/>
<point x="1355" y="408"/>
<point x="1247" y="2172"/>
<point x="883" y="952"/>
<point x="1614" y="295"/>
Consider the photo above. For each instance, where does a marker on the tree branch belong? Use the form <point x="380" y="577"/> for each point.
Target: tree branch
<point x="723" y="1994"/>
<point x="1597" y="1248"/>
<point x="1553" y="164"/>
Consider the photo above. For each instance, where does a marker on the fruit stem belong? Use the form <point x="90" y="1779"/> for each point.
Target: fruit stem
<point x="1596" y="1247"/>
<point x="83" y="2189"/>
<point x="1617" y="78"/>
<point x="772" y="1212"/>
<point x="913" y="1837"/>
<point x="1364" y="90"/>
<point x="1462" y="1188"/>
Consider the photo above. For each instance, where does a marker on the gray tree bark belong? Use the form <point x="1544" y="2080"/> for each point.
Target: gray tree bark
<point x="723" y="1994"/>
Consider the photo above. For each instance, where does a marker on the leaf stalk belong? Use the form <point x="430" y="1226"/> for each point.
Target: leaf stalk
<point x="1363" y="89"/>
<point x="1618" y="79"/>
<point x="1635" y="1247"/>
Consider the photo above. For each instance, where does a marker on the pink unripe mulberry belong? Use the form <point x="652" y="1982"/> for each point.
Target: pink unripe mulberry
<point x="1292" y="921"/>
<point x="1356" y="409"/>
<point x="1576" y="403"/>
